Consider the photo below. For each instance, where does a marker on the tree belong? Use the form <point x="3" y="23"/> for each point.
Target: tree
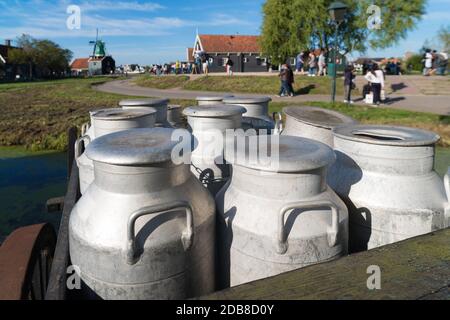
<point x="48" y="57"/>
<point x="444" y="38"/>
<point x="295" y="25"/>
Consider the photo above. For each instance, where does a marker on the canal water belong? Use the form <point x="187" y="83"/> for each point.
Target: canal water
<point x="27" y="181"/>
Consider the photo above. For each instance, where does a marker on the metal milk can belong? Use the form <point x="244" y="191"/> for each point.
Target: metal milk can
<point x="277" y="214"/>
<point x="385" y="175"/>
<point x="145" y="228"/>
<point x="256" y="116"/>
<point x="314" y="123"/>
<point x="104" y="122"/>
<point x="208" y="125"/>
<point x="174" y="115"/>
<point x="160" y="105"/>
<point x="211" y="100"/>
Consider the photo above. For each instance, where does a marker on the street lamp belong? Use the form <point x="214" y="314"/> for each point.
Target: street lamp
<point x="337" y="12"/>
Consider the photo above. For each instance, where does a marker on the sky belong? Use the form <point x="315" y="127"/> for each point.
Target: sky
<point x="146" y="32"/>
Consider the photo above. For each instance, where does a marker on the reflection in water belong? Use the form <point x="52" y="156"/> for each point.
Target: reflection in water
<point x="26" y="183"/>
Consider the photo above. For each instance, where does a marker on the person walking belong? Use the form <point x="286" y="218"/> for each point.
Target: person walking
<point x="229" y="66"/>
<point x="428" y="59"/>
<point x="300" y="63"/>
<point x="312" y="63"/>
<point x="322" y="63"/>
<point x="284" y="78"/>
<point x="205" y="64"/>
<point x="290" y="80"/>
<point x="349" y="76"/>
<point x="376" y="78"/>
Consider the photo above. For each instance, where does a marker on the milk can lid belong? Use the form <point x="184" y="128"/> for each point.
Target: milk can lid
<point x="117" y="114"/>
<point x="281" y="154"/>
<point x="244" y="100"/>
<point x="318" y="117"/>
<point x="215" y="111"/>
<point x="143" y="102"/>
<point x="133" y="147"/>
<point x="213" y="98"/>
<point x="387" y="135"/>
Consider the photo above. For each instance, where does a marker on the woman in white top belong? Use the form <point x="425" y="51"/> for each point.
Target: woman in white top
<point x="376" y="78"/>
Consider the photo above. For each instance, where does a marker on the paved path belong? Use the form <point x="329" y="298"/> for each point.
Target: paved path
<point x="437" y="104"/>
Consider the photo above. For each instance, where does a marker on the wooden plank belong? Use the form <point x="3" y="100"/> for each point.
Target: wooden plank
<point x="417" y="268"/>
<point x="58" y="274"/>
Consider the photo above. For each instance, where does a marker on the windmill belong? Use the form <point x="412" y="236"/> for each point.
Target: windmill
<point x="99" y="48"/>
<point x="99" y="62"/>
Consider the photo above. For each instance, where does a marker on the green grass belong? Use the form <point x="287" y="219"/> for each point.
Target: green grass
<point x="161" y="82"/>
<point x="242" y="84"/>
<point x="38" y="114"/>
<point x="364" y="114"/>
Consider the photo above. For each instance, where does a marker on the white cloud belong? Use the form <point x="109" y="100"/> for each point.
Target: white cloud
<point x="120" y="5"/>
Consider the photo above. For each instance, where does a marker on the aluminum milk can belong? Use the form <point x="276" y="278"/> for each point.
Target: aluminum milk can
<point x="208" y="125"/>
<point x="386" y="176"/>
<point x="145" y="228"/>
<point x="174" y="115"/>
<point x="211" y="100"/>
<point x="161" y="106"/>
<point x="314" y="123"/>
<point x="279" y="215"/>
<point x="256" y="116"/>
<point x="104" y="122"/>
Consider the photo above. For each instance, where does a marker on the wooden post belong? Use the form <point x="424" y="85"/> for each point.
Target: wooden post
<point x="57" y="289"/>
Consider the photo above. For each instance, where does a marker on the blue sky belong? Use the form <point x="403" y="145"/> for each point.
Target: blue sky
<point x="157" y="31"/>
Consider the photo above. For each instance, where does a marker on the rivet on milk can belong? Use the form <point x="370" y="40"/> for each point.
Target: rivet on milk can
<point x="104" y="122"/>
<point x="145" y="229"/>
<point x="386" y="176"/>
<point x="208" y="125"/>
<point x="211" y="100"/>
<point x="161" y="106"/>
<point x="277" y="213"/>
<point x="174" y="115"/>
<point x="314" y="123"/>
<point x="257" y="109"/>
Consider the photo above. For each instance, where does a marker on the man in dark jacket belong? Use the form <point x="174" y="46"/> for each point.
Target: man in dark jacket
<point x="349" y="75"/>
<point x="284" y="77"/>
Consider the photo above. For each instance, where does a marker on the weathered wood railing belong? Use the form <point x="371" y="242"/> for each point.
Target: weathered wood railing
<point x="57" y="280"/>
<point x="417" y="268"/>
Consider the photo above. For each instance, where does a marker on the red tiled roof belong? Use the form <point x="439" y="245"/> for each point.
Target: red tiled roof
<point x="230" y="43"/>
<point x="79" y="64"/>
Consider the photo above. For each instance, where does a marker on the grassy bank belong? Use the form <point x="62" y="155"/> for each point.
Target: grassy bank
<point x="367" y="115"/>
<point x="37" y="114"/>
<point x="243" y="84"/>
<point x="163" y="82"/>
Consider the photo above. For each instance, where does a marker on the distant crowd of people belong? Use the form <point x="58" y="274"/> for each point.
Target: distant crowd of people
<point x="434" y="62"/>
<point x="312" y="63"/>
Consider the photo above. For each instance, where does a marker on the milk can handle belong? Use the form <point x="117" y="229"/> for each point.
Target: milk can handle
<point x="186" y="238"/>
<point x="332" y="231"/>
<point x="278" y="118"/>
<point x="78" y="145"/>
<point x="84" y="128"/>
